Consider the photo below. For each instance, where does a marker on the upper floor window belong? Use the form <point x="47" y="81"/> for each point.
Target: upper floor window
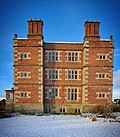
<point x="53" y="56"/>
<point x="23" y="55"/>
<point x="72" y="94"/>
<point x="52" y="74"/>
<point x="23" y="94"/>
<point x="102" y="56"/>
<point x="101" y="95"/>
<point x="72" y="74"/>
<point x="52" y="93"/>
<point x="101" y="75"/>
<point x="23" y="74"/>
<point x="72" y="56"/>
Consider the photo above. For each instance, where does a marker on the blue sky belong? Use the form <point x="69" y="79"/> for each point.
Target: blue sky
<point x="63" y="21"/>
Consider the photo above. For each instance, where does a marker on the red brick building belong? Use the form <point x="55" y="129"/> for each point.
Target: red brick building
<point x="62" y="77"/>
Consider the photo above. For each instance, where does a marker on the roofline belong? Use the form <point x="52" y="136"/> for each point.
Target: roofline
<point x="60" y="42"/>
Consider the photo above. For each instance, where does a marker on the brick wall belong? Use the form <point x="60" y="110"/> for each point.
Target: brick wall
<point x="32" y="65"/>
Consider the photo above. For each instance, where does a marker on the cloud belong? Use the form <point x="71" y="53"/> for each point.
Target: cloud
<point x="116" y="78"/>
<point x="116" y="93"/>
<point x="2" y="96"/>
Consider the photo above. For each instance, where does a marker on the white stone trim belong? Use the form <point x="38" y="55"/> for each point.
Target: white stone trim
<point x="101" y="73"/>
<point x="78" y="57"/>
<point x="19" y="92"/>
<point x="71" y="89"/>
<point x="105" y="95"/>
<point x="52" y="87"/>
<point x="52" y="51"/>
<point x="24" y="53"/>
<point x="25" y="72"/>
<point x="107" y="56"/>
<point x="78" y="73"/>
<point x="47" y="73"/>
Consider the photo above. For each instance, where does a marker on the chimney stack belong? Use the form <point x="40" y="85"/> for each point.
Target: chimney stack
<point x="35" y="28"/>
<point x="91" y="30"/>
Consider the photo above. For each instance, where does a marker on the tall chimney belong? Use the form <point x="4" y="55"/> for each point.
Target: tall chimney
<point x="91" y="30"/>
<point x="35" y="28"/>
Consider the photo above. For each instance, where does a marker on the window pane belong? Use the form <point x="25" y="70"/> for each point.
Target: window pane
<point x="72" y="95"/>
<point x="75" y="94"/>
<point x="68" y="94"/>
<point x="103" y="56"/>
<point x="100" y="56"/>
<point x="69" y="74"/>
<point x="50" y="56"/>
<point x="50" y="74"/>
<point x="56" y="56"/>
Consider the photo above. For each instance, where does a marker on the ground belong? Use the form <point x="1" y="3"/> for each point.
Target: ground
<point x="57" y="126"/>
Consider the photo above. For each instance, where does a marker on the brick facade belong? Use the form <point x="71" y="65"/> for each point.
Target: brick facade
<point x="62" y="77"/>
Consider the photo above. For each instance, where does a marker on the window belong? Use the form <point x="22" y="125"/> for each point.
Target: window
<point x="23" y="74"/>
<point x="72" y="94"/>
<point x="102" y="56"/>
<point x="72" y="56"/>
<point x="101" y="95"/>
<point x="101" y="76"/>
<point x="53" y="56"/>
<point x="77" y="110"/>
<point x="53" y="92"/>
<point x="23" y="55"/>
<point x="23" y="94"/>
<point x="72" y="74"/>
<point x="62" y="110"/>
<point x="47" y="110"/>
<point x="53" y="74"/>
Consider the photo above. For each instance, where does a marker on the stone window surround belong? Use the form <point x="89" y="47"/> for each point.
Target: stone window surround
<point x="24" y="73"/>
<point x="72" y="88"/>
<point x="62" y="110"/>
<point x="23" y="94"/>
<point x="24" y="54"/>
<point x="47" y="71"/>
<point x="53" y="87"/>
<point x="101" y="95"/>
<point x="102" y="56"/>
<point x="74" y="58"/>
<point x="102" y="75"/>
<point x="55" y="56"/>
<point x="71" y="75"/>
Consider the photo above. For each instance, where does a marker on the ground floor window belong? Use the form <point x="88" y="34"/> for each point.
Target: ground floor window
<point x="62" y="110"/>
<point x="72" y="94"/>
<point x="47" y="110"/>
<point x="52" y="93"/>
<point x="77" y="110"/>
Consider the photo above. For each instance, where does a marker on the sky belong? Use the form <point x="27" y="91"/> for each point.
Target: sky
<point x="63" y="21"/>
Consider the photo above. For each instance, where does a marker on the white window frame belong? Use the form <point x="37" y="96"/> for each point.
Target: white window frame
<point x="24" y="55"/>
<point x="53" y="74"/>
<point x="23" y="94"/>
<point x="72" y="56"/>
<point x="72" y="94"/>
<point x="62" y="110"/>
<point x="102" y="75"/>
<point x="53" y="92"/>
<point x="72" y="74"/>
<point x="102" y="56"/>
<point x="24" y="74"/>
<point x="101" y="95"/>
<point x="53" y="56"/>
